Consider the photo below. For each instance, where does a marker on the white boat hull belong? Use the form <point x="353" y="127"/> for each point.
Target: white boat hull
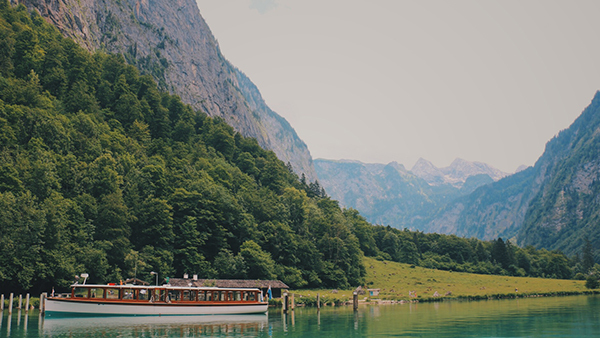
<point x="68" y="306"/>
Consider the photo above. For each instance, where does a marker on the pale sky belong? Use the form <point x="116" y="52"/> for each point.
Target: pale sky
<point x="393" y="80"/>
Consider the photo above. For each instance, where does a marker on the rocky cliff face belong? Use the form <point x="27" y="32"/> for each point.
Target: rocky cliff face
<point x="566" y="210"/>
<point x="555" y="204"/>
<point x="170" y="40"/>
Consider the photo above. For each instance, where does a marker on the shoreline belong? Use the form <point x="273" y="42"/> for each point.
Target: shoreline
<point x="309" y="301"/>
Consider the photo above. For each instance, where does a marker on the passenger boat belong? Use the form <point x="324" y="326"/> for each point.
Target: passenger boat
<point x="140" y="300"/>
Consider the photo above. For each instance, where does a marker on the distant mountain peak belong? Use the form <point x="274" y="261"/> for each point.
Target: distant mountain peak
<point x="423" y="163"/>
<point x="428" y="171"/>
<point x="398" y="166"/>
<point x="456" y="173"/>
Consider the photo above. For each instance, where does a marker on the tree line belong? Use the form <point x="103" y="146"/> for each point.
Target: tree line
<point x="100" y="172"/>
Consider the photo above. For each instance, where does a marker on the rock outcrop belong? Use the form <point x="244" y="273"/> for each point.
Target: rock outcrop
<point x="170" y="40"/>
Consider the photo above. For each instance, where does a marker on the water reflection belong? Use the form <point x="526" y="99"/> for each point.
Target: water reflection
<point x="169" y="326"/>
<point x="35" y="325"/>
<point x="541" y="317"/>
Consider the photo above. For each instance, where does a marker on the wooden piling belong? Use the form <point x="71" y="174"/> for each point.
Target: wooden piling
<point x="293" y="316"/>
<point x="2" y="302"/>
<point x="43" y="302"/>
<point x="355" y="300"/>
<point x="27" y="303"/>
<point x="285" y="302"/>
<point x="20" y="301"/>
<point x="293" y="303"/>
<point x="10" y="301"/>
<point x="318" y="301"/>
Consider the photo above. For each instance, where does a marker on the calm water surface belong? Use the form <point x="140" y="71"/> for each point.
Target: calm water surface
<point x="534" y="317"/>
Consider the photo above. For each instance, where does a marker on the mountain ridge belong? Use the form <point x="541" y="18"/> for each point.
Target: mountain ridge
<point x="390" y="194"/>
<point x="456" y="173"/>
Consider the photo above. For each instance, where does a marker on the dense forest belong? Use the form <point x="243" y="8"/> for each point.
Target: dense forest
<point x="100" y="172"/>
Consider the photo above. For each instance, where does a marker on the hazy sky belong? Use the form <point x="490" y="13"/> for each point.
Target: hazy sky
<point x="394" y="80"/>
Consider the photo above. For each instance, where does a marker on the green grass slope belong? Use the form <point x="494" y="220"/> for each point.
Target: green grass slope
<point x="397" y="281"/>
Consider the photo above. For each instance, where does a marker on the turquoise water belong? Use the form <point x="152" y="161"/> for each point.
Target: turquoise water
<point x="577" y="316"/>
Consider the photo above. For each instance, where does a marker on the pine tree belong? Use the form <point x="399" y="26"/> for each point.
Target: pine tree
<point x="500" y="253"/>
<point x="587" y="260"/>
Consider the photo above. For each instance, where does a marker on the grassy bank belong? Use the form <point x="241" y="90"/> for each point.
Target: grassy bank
<point x="398" y="281"/>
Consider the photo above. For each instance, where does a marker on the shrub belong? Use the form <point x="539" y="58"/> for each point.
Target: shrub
<point x="592" y="282"/>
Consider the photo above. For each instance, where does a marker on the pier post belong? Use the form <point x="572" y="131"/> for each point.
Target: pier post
<point x="27" y="303"/>
<point x="293" y="303"/>
<point x="2" y="302"/>
<point x="355" y="300"/>
<point x="43" y="302"/>
<point x="318" y="301"/>
<point x="10" y="301"/>
<point x="285" y="302"/>
<point x="20" y="301"/>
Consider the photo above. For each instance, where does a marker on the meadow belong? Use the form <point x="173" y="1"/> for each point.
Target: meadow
<point x="405" y="282"/>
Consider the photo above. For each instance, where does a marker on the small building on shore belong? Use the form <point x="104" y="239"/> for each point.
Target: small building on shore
<point x="374" y="292"/>
<point x="277" y="286"/>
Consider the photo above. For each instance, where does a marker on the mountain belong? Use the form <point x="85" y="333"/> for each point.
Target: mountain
<point x="170" y="40"/>
<point x="566" y="210"/>
<point x="456" y="174"/>
<point x="552" y="205"/>
<point x="491" y="211"/>
<point x="391" y="195"/>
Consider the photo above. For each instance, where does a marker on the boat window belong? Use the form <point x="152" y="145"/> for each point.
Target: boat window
<point x="143" y="294"/>
<point x="112" y="293"/>
<point x="223" y="296"/>
<point x="246" y="295"/>
<point x="81" y="292"/>
<point x="128" y="294"/>
<point x="174" y="295"/>
<point x="238" y="296"/>
<point x="252" y="296"/>
<point x="201" y="296"/>
<point x="189" y="295"/>
<point x="162" y="293"/>
<point x="96" y="293"/>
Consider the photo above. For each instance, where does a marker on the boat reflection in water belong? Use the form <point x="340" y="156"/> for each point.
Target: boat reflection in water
<point x="164" y="326"/>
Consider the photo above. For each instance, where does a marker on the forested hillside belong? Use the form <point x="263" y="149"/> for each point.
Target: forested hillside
<point x="170" y="41"/>
<point x="100" y="172"/>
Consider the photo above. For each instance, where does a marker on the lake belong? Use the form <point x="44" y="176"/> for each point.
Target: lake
<point x="577" y="316"/>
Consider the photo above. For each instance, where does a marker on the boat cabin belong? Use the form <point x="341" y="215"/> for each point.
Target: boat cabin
<point x="164" y="294"/>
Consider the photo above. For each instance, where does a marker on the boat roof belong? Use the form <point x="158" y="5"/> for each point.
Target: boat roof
<point x="164" y="286"/>
<point x="229" y="283"/>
